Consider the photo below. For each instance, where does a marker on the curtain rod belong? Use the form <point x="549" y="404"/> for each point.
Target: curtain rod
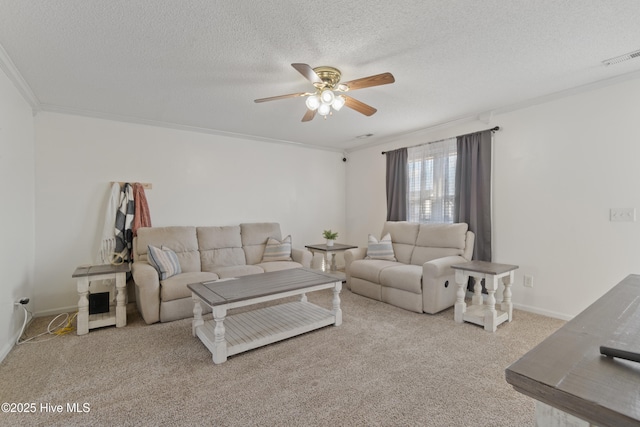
<point x="494" y="129"/>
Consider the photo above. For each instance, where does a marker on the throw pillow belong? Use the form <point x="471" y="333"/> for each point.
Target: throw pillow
<point x="380" y="249"/>
<point x="277" y="250"/>
<point x="165" y="261"/>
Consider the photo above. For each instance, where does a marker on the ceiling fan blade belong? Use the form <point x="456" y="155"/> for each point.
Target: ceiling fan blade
<point x="359" y="106"/>
<point x="377" y="80"/>
<point x="273" y="98"/>
<point x="309" y="115"/>
<point x="307" y="72"/>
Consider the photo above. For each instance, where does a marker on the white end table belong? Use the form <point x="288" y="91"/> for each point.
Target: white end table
<point x="117" y="315"/>
<point x="484" y="314"/>
<point x="330" y="250"/>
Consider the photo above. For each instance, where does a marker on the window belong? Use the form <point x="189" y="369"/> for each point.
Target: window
<point x="431" y="174"/>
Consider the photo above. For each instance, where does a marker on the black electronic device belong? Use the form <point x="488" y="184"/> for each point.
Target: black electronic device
<point x="98" y="302"/>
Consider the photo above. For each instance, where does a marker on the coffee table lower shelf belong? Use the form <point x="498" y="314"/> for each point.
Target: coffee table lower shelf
<point x="256" y="328"/>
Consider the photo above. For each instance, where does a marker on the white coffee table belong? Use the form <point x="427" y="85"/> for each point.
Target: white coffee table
<point x="228" y="335"/>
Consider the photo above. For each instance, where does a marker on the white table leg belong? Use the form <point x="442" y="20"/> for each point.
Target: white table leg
<point x="197" y="315"/>
<point x="337" y="311"/>
<point x="490" y="313"/>
<point x="82" y="320"/>
<point x="121" y="307"/>
<point x="477" y="291"/>
<point x="507" y="305"/>
<point x="461" y="306"/>
<point x="219" y="342"/>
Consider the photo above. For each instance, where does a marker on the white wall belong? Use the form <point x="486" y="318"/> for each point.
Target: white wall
<point x="17" y="211"/>
<point x="198" y="179"/>
<point x="558" y="169"/>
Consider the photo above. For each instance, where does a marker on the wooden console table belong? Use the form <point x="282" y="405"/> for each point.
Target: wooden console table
<point x="569" y="377"/>
<point x="484" y="314"/>
<point x="117" y="315"/>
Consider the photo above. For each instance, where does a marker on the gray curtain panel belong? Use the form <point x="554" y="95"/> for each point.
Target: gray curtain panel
<point x="397" y="185"/>
<point x="473" y="189"/>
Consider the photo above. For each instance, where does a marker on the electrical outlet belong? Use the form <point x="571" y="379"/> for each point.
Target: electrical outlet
<point x="528" y="281"/>
<point x="622" y="214"/>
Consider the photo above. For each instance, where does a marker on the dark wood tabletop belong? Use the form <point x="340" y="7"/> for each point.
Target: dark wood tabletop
<point x="485" y="267"/>
<point x="568" y="372"/>
<point x="94" y="270"/>
<point x="335" y="247"/>
<point x="257" y="285"/>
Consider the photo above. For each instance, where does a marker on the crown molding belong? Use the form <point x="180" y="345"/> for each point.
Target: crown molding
<point x="488" y="116"/>
<point x="10" y="69"/>
<point x="176" y="126"/>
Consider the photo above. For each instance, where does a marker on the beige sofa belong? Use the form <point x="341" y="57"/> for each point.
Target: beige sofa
<point x="204" y="253"/>
<point x="421" y="279"/>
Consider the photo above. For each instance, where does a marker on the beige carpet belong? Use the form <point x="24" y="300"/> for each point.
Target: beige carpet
<point x="383" y="367"/>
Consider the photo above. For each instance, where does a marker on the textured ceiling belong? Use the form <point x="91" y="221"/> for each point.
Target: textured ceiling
<point x="201" y="63"/>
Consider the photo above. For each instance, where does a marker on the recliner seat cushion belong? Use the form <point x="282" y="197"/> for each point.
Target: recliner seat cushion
<point x="405" y="277"/>
<point x="238" y="270"/>
<point x="370" y="269"/>
<point x="175" y="287"/>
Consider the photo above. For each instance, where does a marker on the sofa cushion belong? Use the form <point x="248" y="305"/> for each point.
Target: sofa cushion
<point x="164" y="260"/>
<point x="405" y="277"/>
<point x="176" y="287"/>
<point x="220" y="247"/>
<point x="181" y="239"/>
<point x="254" y="239"/>
<point x="277" y="250"/>
<point x="439" y="240"/>
<point x="369" y="269"/>
<point x="279" y="265"/>
<point x="237" y="271"/>
<point x="403" y="236"/>
<point x="380" y="249"/>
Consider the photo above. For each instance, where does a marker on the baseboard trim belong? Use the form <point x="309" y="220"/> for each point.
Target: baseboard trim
<point x="542" y="312"/>
<point x="56" y="311"/>
<point x="6" y="349"/>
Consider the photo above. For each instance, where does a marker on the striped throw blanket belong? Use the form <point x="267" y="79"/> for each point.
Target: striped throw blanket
<point x="124" y="223"/>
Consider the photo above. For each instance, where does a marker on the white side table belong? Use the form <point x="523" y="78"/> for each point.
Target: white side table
<point x="484" y="314"/>
<point x="329" y="251"/>
<point x="117" y="315"/>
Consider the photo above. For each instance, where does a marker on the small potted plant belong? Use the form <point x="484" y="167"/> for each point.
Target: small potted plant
<point x="330" y="236"/>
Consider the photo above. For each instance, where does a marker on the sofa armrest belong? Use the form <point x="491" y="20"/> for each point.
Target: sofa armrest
<point x="438" y="283"/>
<point x="351" y="255"/>
<point x="303" y="256"/>
<point x="441" y="266"/>
<point x="147" y="291"/>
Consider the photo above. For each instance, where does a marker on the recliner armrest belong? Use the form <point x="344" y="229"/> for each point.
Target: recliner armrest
<point x="351" y="255"/>
<point x="441" y="266"/>
<point x="303" y="256"/>
<point x="147" y="291"/>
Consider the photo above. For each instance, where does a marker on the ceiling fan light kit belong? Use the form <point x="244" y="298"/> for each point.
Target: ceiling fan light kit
<point x="328" y="94"/>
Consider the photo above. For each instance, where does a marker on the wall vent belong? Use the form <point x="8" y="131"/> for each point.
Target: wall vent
<point x="622" y="58"/>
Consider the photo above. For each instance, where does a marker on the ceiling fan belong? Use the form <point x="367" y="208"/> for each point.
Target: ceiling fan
<point x="329" y="94"/>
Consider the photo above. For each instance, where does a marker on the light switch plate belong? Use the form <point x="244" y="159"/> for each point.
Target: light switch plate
<point x="622" y="214"/>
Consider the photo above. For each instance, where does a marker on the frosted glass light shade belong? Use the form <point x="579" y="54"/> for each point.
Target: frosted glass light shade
<point x="327" y="96"/>
<point x="338" y="103"/>
<point x="324" y="109"/>
<point x="313" y="102"/>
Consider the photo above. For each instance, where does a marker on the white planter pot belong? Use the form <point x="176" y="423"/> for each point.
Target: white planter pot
<point x="330" y="242"/>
